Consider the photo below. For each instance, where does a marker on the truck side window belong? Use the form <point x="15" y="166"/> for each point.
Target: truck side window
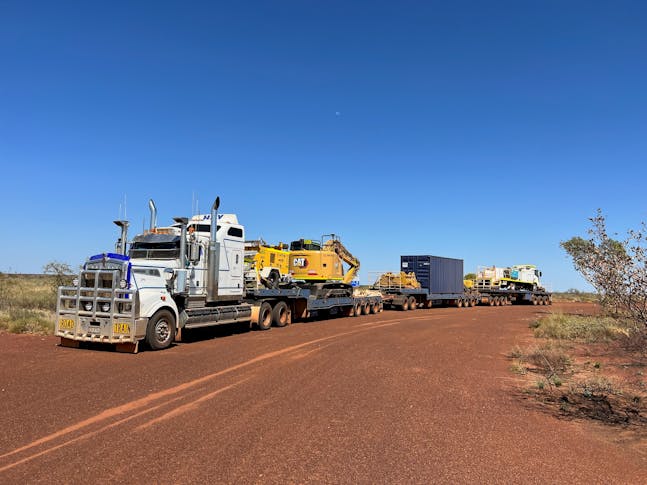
<point x="235" y="231"/>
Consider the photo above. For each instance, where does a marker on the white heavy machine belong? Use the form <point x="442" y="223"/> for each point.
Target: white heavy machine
<point x="517" y="277"/>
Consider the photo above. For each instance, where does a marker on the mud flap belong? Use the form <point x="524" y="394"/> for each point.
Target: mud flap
<point x="73" y="344"/>
<point x="128" y="348"/>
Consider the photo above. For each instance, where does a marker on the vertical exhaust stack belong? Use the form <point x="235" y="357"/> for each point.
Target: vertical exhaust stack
<point x="182" y="221"/>
<point x="121" y="245"/>
<point x="153" y="209"/>
<point x="214" y="256"/>
<point x="180" y="284"/>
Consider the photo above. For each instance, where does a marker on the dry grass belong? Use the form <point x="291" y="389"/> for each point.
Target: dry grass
<point x="590" y="329"/>
<point x="556" y="373"/>
<point x="27" y="303"/>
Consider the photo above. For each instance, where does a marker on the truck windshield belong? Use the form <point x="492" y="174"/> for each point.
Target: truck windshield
<point x="155" y="250"/>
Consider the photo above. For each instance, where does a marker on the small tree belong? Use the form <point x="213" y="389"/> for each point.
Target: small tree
<point x="470" y="276"/>
<point x="616" y="269"/>
<point x="61" y="273"/>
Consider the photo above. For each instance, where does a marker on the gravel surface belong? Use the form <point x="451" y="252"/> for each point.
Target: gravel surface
<point x="423" y="396"/>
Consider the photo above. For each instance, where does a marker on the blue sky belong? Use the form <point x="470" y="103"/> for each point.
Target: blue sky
<point x="487" y="131"/>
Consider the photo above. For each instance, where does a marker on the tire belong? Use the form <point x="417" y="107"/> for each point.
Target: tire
<point x="405" y="305"/>
<point x="459" y="303"/>
<point x="357" y="310"/>
<point x="349" y="311"/>
<point x="366" y="308"/>
<point x="280" y="314"/>
<point x="274" y="278"/>
<point x="491" y="301"/>
<point x="413" y="304"/>
<point x="375" y="307"/>
<point x="429" y="303"/>
<point x="534" y="300"/>
<point x="265" y="316"/>
<point x="160" y="331"/>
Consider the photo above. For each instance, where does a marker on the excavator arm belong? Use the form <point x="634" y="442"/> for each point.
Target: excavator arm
<point x="335" y="245"/>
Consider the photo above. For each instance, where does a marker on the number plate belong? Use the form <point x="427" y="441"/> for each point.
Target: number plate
<point x="94" y="329"/>
<point x="66" y="324"/>
<point x="121" y="328"/>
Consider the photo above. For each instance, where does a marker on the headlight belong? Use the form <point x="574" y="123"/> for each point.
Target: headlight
<point x="75" y="282"/>
<point x="105" y="307"/>
<point x="123" y="284"/>
<point x="88" y="306"/>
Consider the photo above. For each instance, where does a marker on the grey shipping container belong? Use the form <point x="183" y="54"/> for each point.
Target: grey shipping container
<point x="435" y="274"/>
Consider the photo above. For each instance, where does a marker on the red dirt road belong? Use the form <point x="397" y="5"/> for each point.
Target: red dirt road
<point x="400" y="397"/>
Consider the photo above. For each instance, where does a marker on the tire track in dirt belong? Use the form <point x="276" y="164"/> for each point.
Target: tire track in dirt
<point x="113" y="417"/>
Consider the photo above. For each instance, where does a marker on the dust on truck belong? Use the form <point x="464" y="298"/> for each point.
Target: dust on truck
<point x="173" y="279"/>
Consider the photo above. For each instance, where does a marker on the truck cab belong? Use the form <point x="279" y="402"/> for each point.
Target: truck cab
<point x="146" y="291"/>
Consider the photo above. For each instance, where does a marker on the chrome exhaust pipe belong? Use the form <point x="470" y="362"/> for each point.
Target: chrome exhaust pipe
<point x="121" y="245"/>
<point x="214" y="255"/>
<point x="182" y="221"/>
<point x="153" y="209"/>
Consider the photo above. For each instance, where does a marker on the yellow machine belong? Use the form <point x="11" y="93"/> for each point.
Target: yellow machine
<point x="264" y="264"/>
<point x="313" y="262"/>
<point x="398" y="280"/>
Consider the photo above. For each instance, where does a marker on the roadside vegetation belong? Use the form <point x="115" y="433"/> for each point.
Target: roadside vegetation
<point x="595" y="366"/>
<point x="28" y="302"/>
<point x="586" y="366"/>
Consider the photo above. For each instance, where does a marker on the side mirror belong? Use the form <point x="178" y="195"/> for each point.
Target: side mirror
<point x="168" y="274"/>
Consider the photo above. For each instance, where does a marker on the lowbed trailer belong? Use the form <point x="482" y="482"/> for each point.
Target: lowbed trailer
<point x="441" y="281"/>
<point x="509" y="297"/>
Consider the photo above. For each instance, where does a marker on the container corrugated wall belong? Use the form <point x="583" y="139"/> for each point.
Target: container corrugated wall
<point x="435" y="273"/>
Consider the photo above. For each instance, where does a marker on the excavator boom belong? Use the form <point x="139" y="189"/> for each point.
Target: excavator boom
<point x="345" y="255"/>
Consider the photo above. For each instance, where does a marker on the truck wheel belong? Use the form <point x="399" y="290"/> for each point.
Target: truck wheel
<point x="281" y="314"/>
<point x="366" y="308"/>
<point x="405" y="305"/>
<point x="265" y="316"/>
<point x="357" y="310"/>
<point x="160" y="331"/>
<point x="459" y="303"/>
<point x="491" y="301"/>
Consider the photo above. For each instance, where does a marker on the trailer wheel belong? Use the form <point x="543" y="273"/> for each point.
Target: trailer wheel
<point x="357" y="310"/>
<point x="349" y="311"/>
<point x="281" y="314"/>
<point x="413" y="304"/>
<point x="491" y="301"/>
<point x="160" y="330"/>
<point x="265" y="316"/>
<point x="459" y="303"/>
<point x="365" y="308"/>
<point x="533" y="298"/>
<point x="375" y="307"/>
<point x="380" y="307"/>
<point x="473" y="302"/>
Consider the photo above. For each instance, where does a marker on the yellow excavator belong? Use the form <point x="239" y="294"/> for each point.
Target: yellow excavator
<point x="321" y="264"/>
